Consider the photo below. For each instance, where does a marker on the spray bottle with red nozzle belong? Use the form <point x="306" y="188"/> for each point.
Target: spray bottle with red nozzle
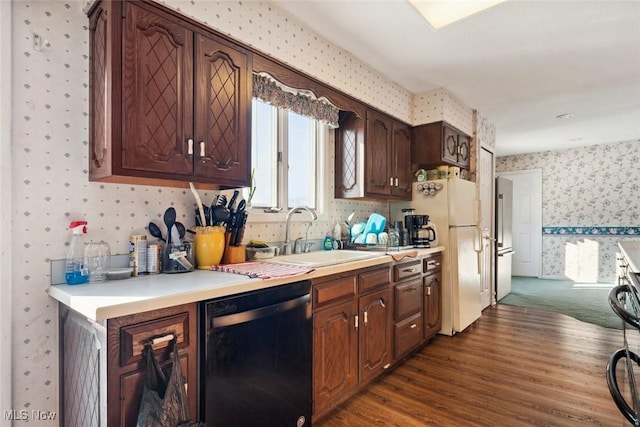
<point x="76" y="271"/>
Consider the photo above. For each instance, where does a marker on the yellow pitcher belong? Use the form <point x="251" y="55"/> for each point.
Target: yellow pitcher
<point x="209" y="246"/>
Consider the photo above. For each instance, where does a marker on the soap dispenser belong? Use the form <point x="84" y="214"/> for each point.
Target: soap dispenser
<point x="327" y="244"/>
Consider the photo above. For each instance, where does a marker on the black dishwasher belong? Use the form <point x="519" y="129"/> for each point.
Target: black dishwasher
<point x="256" y="358"/>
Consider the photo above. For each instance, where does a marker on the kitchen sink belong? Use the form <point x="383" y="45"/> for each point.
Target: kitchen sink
<point x="323" y="258"/>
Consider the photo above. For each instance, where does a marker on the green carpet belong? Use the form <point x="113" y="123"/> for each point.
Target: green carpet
<point x="583" y="301"/>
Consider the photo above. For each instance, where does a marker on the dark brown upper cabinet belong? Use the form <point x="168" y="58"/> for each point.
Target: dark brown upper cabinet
<point x="373" y="157"/>
<point x="170" y="100"/>
<point x="440" y="143"/>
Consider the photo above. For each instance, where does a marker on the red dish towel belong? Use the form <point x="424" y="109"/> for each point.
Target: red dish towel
<point x="263" y="270"/>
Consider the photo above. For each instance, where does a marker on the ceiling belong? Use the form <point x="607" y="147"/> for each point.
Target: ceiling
<point x="520" y="63"/>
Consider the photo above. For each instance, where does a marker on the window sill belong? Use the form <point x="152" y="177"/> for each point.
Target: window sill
<point x="258" y="216"/>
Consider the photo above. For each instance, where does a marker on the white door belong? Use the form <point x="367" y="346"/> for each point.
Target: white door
<point x="486" y="193"/>
<point x="527" y="221"/>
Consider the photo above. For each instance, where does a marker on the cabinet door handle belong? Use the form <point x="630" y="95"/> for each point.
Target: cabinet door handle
<point x="382" y="303"/>
<point x="190" y="147"/>
<point x="409" y="270"/>
<point x="364" y="321"/>
<point x="391" y="181"/>
<point x="428" y="290"/>
<point x="355" y="318"/>
<point x="396" y="182"/>
<point x="413" y="326"/>
<point x="201" y="148"/>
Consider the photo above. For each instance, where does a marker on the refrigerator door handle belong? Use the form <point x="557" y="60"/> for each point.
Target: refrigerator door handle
<point x="506" y="253"/>
<point x="478" y="239"/>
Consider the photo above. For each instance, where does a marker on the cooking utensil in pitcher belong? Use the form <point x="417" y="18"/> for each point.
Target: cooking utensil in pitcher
<point x="203" y="218"/>
<point x="220" y="215"/>
<point x="169" y="220"/>
<point x="155" y="231"/>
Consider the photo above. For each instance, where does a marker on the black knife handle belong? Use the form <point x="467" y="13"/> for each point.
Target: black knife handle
<point x="240" y="226"/>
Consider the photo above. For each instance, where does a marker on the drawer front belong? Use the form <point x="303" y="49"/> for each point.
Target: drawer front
<point x="408" y="298"/>
<point x="334" y="290"/>
<point x="408" y="335"/>
<point x="406" y="270"/>
<point x="374" y="279"/>
<point x="134" y="337"/>
<point x="432" y="264"/>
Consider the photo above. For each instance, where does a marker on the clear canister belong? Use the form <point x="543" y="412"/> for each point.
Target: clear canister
<point x="97" y="257"/>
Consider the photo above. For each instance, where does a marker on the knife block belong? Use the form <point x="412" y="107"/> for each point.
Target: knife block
<point x="233" y="254"/>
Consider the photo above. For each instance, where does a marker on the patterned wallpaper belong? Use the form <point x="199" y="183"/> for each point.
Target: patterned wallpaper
<point x="589" y="194"/>
<point x="486" y="132"/>
<point x="51" y="187"/>
<point x="442" y="105"/>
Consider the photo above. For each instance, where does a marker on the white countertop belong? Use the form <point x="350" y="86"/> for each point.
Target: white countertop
<point x="631" y="251"/>
<point x="114" y="298"/>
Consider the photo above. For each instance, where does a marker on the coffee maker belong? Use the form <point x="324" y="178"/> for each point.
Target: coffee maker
<point x="419" y="228"/>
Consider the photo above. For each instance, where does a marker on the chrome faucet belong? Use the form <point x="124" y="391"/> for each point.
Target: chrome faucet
<point x="286" y="247"/>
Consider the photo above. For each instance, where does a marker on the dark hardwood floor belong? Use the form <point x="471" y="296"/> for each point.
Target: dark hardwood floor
<point x="514" y="367"/>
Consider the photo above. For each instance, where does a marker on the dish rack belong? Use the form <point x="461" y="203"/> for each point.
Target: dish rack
<point x="624" y="300"/>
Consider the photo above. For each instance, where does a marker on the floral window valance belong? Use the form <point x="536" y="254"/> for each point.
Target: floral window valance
<point x="302" y="102"/>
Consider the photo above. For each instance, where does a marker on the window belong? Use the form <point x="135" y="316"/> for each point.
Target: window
<point x="287" y="158"/>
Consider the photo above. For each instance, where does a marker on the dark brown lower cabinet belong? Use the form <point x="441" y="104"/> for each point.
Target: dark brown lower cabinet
<point x="375" y="333"/>
<point x="111" y="351"/>
<point x="335" y="357"/>
<point x="351" y="334"/>
<point x="126" y="367"/>
<point x="407" y="317"/>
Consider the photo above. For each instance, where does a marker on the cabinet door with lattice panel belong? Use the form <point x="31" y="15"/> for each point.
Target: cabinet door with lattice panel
<point x="157" y="93"/>
<point x="223" y="117"/>
<point x="378" y="155"/>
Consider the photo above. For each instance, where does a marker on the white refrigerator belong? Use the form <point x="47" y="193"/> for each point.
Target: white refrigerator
<point x="454" y="211"/>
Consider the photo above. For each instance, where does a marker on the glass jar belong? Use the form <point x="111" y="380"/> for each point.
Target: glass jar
<point x="97" y="257"/>
<point x="394" y="237"/>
